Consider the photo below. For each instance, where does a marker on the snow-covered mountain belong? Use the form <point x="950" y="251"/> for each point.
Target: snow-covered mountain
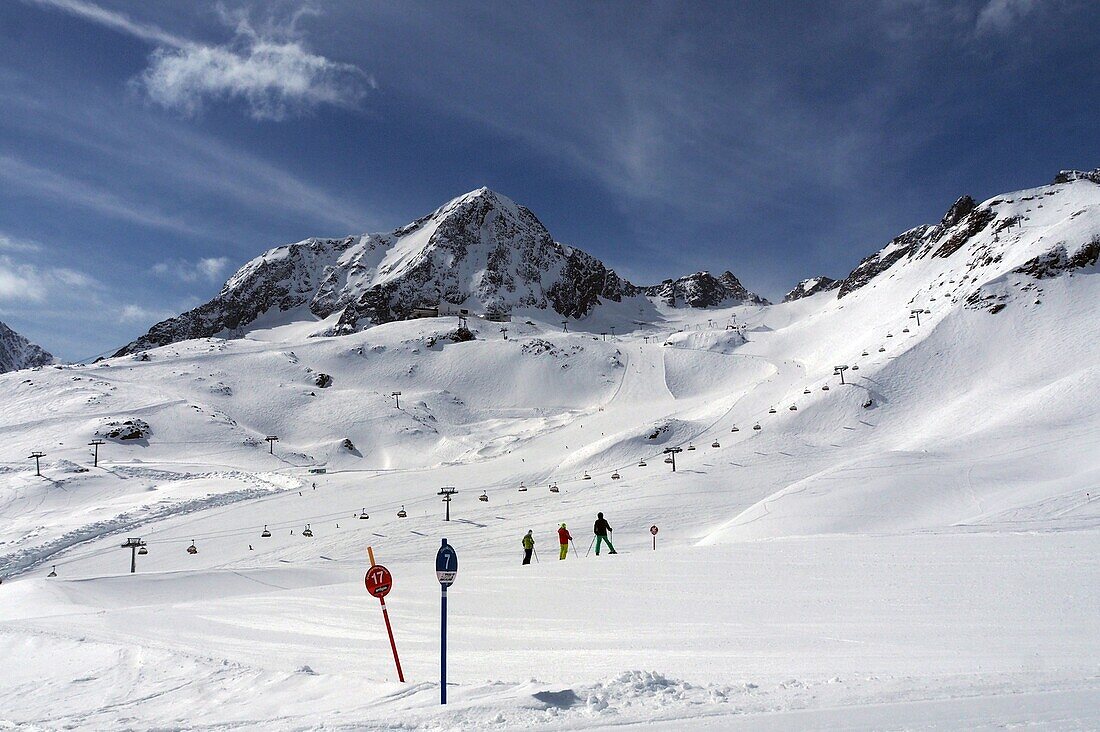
<point x="811" y="286"/>
<point x="704" y="290"/>
<point x="16" y="352"/>
<point x="480" y="251"/>
<point x="981" y="253"/>
<point x="958" y="451"/>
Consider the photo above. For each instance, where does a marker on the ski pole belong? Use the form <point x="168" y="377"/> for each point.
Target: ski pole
<point x="590" y="545"/>
<point x="535" y="552"/>
<point x="575" y="552"/>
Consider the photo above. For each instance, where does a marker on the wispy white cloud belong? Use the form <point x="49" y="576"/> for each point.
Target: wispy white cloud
<point x="207" y="269"/>
<point x="269" y="69"/>
<point x="115" y="21"/>
<point x="20" y="175"/>
<point x="131" y="313"/>
<point x="274" y="79"/>
<point x="21" y="281"/>
<point x="1000" y="15"/>
<point x="15" y="244"/>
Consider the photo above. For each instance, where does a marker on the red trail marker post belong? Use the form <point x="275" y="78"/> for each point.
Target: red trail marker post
<point x="653" y="530"/>
<point x="379" y="582"/>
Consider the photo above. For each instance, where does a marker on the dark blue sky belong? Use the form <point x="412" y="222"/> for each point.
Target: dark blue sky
<point x="149" y="149"/>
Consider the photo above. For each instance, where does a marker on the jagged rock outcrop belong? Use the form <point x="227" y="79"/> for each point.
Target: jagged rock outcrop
<point x="1059" y="259"/>
<point x="1068" y="176"/>
<point x="1042" y="232"/>
<point x="480" y="250"/>
<point x="16" y="352"/>
<point x="875" y="264"/>
<point x="704" y="290"/>
<point x="811" y="286"/>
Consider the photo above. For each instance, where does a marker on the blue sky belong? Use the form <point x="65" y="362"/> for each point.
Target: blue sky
<point x="149" y="149"/>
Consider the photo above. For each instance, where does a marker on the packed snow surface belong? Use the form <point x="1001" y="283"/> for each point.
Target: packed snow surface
<point x="916" y="548"/>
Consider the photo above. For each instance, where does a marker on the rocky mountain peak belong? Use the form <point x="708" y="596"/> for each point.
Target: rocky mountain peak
<point x="480" y="250"/>
<point x="811" y="286"/>
<point x="959" y="209"/>
<point x="16" y="352"/>
<point x="704" y="290"/>
<point x="1068" y="176"/>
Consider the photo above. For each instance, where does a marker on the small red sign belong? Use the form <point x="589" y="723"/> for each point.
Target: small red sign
<point x="653" y="530"/>
<point x="378" y="581"/>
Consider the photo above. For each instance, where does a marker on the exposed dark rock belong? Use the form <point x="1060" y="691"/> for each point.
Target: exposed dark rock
<point x="461" y="335"/>
<point x="16" y="352"/>
<point x="1068" y="176"/>
<point x="1058" y="259"/>
<point x="960" y="208"/>
<point x="874" y="265"/>
<point x="811" y="286"/>
<point x="703" y="290"/>
<point x="322" y="380"/>
<point x="131" y="429"/>
<point x="968" y="227"/>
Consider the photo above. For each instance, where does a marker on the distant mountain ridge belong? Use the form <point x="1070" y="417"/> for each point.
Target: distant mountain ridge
<point x="704" y="290"/>
<point x="16" y="352"/>
<point x="485" y="252"/>
<point x="811" y="286"/>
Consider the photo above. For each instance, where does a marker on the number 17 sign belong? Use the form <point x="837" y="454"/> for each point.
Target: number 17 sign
<point x="379" y="582"/>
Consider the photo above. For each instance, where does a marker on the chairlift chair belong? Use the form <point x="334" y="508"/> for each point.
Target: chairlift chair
<point x="756" y="426"/>
<point x="691" y="447"/>
<point x="824" y="387"/>
<point x="715" y="444"/>
<point x="192" y="549"/>
<point x="402" y="513"/>
<point x="53" y="572"/>
<point x="882" y="349"/>
<point x="308" y="531"/>
<point x="641" y="463"/>
<point x="855" y="367"/>
<point x="889" y="335"/>
<point x="483" y="497"/>
<point x="554" y="488"/>
<point x="143" y="550"/>
<point x="806" y="391"/>
<point x="522" y="488"/>
<point x="363" y="514"/>
<point x="615" y="476"/>
<point x="668" y="460"/>
<point x="734" y="429"/>
<point x="865" y="353"/>
<point x="904" y="330"/>
<point x="266" y="534"/>
<point x="587" y="476"/>
<point x="771" y="410"/>
<point x="793" y="408"/>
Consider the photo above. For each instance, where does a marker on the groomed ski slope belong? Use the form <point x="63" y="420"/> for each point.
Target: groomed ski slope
<point x="927" y="561"/>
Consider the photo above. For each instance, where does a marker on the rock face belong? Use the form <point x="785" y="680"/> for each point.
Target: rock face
<point x="704" y="290"/>
<point x="480" y="250"/>
<point x="811" y="286"/>
<point x="872" y="266"/>
<point x="1068" y="176"/>
<point x="16" y="352"/>
<point x="992" y="254"/>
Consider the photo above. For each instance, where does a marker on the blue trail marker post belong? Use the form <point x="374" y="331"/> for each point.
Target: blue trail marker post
<point x="446" y="569"/>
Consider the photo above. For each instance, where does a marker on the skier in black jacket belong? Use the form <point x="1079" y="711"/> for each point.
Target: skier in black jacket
<point x="601" y="529"/>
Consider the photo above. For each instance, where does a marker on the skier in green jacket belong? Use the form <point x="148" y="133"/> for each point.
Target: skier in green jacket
<point x="528" y="546"/>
